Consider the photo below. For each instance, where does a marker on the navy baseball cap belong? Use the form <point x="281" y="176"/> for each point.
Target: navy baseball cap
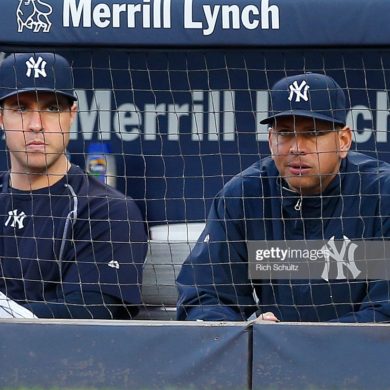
<point x="310" y="95"/>
<point x="26" y="72"/>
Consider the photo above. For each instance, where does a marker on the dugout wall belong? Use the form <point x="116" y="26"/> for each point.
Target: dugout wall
<point x="176" y="89"/>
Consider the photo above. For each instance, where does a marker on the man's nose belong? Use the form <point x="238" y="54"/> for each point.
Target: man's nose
<point x="35" y="120"/>
<point x="297" y="145"/>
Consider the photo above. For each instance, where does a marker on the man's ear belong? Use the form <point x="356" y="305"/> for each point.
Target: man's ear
<point x="270" y="141"/>
<point x="73" y="113"/>
<point x="1" y="119"/>
<point x="345" y="141"/>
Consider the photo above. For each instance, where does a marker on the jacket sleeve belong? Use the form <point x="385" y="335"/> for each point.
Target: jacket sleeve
<point x="375" y="306"/>
<point x="106" y="253"/>
<point x="213" y="283"/>
<point x="80" y="306"/>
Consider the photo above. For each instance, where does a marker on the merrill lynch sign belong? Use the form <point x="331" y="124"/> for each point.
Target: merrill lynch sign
<point x="35" y="15"/>
<point x="319" y="259"/>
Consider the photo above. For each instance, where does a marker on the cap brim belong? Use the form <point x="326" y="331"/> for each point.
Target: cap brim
<point x="19" y="91"/>
<point x="305" y="114"/>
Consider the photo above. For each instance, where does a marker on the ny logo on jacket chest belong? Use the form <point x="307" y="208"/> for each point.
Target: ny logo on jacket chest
<point x="15" y="219"/>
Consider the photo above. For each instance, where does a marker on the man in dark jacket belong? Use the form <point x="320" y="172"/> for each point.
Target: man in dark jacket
<point x="311" y="188"/>
<point x="70" y="246"/>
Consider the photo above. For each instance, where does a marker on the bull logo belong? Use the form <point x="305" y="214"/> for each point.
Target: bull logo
<point x="33" y="15"/>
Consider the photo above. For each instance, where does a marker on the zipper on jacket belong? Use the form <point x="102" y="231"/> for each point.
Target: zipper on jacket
<point x="298" y="205"/>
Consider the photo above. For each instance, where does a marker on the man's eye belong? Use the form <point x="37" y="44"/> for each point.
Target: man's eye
<point x="17" y="109"/>
<point x="317" y="132"/>
<point x="312" y="133"/>
<point x="54" y="108"/>
<point x="284" y="133"/>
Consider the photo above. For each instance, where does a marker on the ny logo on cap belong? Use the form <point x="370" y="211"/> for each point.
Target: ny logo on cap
<point x="37" y="66"/>
<point x="300" y="91"/>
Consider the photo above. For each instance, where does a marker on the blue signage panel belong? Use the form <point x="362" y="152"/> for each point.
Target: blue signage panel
<point x="194" y="22"/>
<point x="180" y="124"/>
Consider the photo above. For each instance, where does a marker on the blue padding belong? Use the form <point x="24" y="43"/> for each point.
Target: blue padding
<point x="320" y="356"/>
<point x="123" y="355"/>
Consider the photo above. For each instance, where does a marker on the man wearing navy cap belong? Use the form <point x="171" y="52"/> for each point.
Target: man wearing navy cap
<point x="311" y="188"/>
<point x="70" y="246"/>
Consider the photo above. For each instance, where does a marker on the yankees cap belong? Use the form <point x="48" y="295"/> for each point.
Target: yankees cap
<point x="310" y="95"/>
<point x="26" y="72"/>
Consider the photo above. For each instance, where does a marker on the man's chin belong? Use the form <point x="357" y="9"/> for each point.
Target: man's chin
<point x="38" y="163"/>
<point x="302" y="185"/>
<point x="34" y="167"/>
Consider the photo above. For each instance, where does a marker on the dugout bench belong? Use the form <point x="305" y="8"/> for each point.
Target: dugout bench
<point x="168" y="247"/>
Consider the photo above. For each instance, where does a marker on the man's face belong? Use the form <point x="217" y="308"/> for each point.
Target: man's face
<point x="308" y="152"/>
<point x="37" y="129"/>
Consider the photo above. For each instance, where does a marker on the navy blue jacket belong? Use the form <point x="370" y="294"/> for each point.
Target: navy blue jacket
<point x="71" y="249"/>
<point x="256" y="205"/>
